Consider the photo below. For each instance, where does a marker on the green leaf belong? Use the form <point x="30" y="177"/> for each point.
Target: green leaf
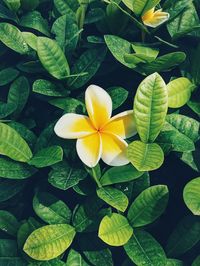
<point x="143" y="249"/>
<point x="8" y="248"/>
<point x="179" y="92"/>
<point x="50" y="209"/>
<point x="48" y="88"/>
<point x="13" y="145"/>
<point x="50" y="241"/>
<point x="148" y="206"/>
<point x="150" y="107"/>
<point x="29" y="5"/>
<point x="5" y="13"/>
<point x="18" y="94"/>
<point x="196" y="262"/>
<point x="89" y="62"/>
<point x="118" y="96"/>
<point x="145" y="157"/>
<point x="114" y="197"/>
<point x="174" y="262"/>
<point x="118" y="47"/>
<point x="13" y="5"/>
<point x="120" y="174"/>
<point x="171" y="138"/>
<point x="185" y="22"/>
<point x="9" y="188"/>
<point x="184" y="237"/>
<point x="34" y="20"/>
<point x="191" y="196"/>
<point x="63" y="176"/>
<point x="69" y="105"/>
<point x="67" y="37"/>
<point x="162" y="63"/>
<point x="140" y="7"/>
<point x="185" y="125"/>
<point x="7" y="75"/>
<point x="31" y="39"/>
<point x="47" y="156"/>
<point x="65" y="6"/>
<point x="15" y="170"/>
<point x="26" y="229"/>
<point x="99" y="257"/>
<point x="115" y="230"/>
<point x="12" y="261"/>
<point x="12" y="37"/>
<point x="8" y="223"/>
<point x="6" y="109"/>
<point x="75" y="259"/>
<point x="52" y="58"/>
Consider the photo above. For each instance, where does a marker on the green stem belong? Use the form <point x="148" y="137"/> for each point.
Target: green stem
<point x="96" y="179"/>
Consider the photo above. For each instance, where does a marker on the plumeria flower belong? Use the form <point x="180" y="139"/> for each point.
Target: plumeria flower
<point x="154" y="18"/>
<point x="98" y="136"/>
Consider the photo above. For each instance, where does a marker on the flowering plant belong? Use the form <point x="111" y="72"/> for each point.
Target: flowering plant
<point x="104" y="174"/>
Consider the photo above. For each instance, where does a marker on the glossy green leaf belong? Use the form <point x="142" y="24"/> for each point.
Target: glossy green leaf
<point x="6" y="109"/>
<point x="99" y="257"/>
<point x="143" y="249"/>
<point x="66" y="36"/>
<point x="118" y="47"/>
<point x="50" y="241"/>
<point x="10" y="188"/>
<point x="18" y="94"/>
<point x="162" y="63"/>
<point x="113" y="197"/>
<point x="75" y="259"/>
<point x="13" y="145"/>
<point x="50" y="209"/>
<point x="120" y="174"/>
<point x="139" y="7"/>
<point x="184" y="237"/>
<point x="13" y="5"/>
<point x="185" y="125"/>
<point x="31" y="39"/>
<point x="63" y="6"/>
<point x="15" y="170"/>
<point x="148" y="206"/>
<point x="191" y="196"/>
<point x="118" y="96"/>
<point x="64" y="176"/>
<point x="47" y="157"/>
<point x="8" y="223"/>
<point x="145" y="157"/>
<point x="115" y="230"/>
<point x="7" y="75"/>
<point x="150" y="107"/>
<point x="179" y="92"/>
<point x="52" y="58"/>
<point x="8" y="248"/>
<point x="34" y="20"/>
<point x="29" y="5"/>
<point x="171" y="139"/>
<point x="12" y="37"/>
<point x="89" y="63"/>
<point x="48" y="88"/>
<point x="69" y="105"/>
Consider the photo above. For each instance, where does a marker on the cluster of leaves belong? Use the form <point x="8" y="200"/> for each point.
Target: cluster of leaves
<point x="54" y="210"/>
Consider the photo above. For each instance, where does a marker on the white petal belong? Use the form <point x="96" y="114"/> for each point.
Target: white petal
<point x="122" y="125"/>
<point x="73" y="126"/>
<point x="113" y="150"/>
<point x="89" y="149"/>
<point x="99" y="105"/>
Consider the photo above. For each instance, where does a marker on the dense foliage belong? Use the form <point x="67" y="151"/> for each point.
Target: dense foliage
<point x="54" y="210"/>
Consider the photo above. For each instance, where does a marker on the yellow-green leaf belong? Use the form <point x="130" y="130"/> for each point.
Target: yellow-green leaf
<point x="50" y="241"/>
<point x="115" y="230"/>
<point x="150" y="107"/>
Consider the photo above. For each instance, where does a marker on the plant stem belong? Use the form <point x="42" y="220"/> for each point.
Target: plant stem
<point x="96" y="179"/>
